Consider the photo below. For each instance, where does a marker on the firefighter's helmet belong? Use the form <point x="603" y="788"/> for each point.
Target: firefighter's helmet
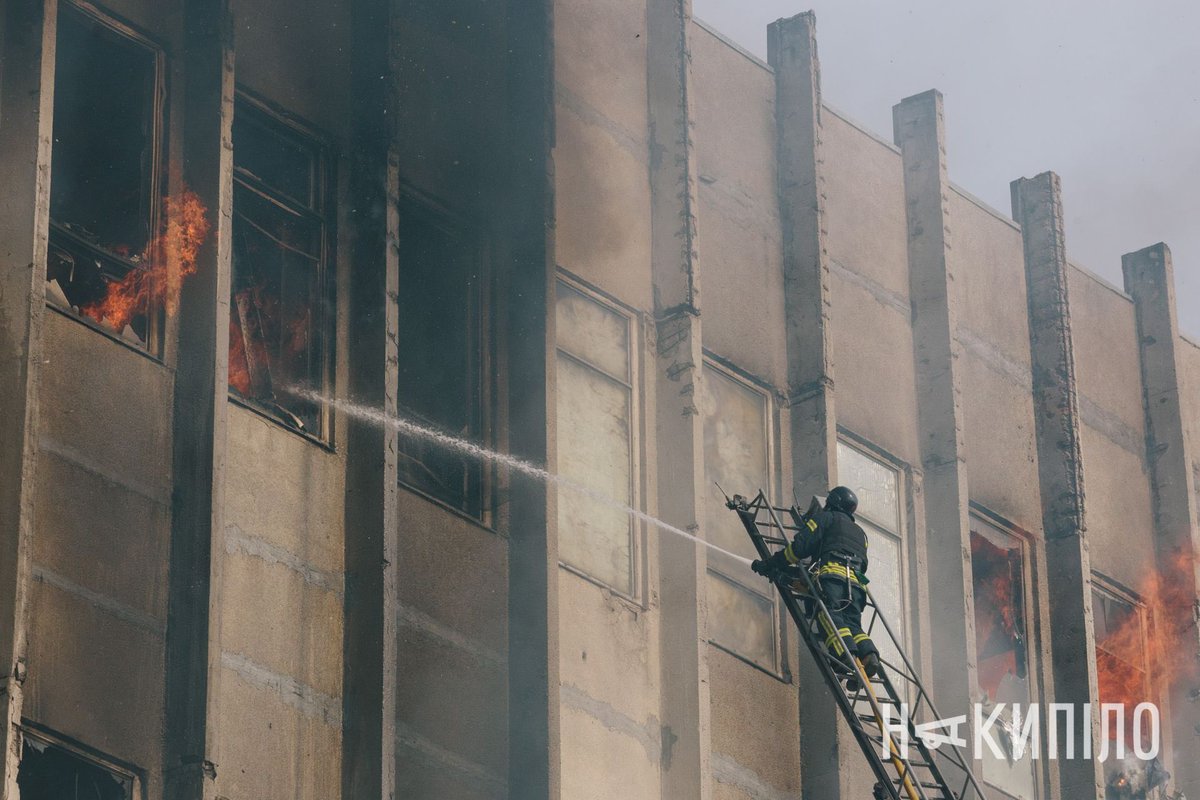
<point x="842" y="498"/>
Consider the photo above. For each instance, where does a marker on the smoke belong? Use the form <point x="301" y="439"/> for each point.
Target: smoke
<point x="468" y="448"/>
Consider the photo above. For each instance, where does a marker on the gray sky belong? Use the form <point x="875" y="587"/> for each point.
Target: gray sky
<point x="1105" y="94"/>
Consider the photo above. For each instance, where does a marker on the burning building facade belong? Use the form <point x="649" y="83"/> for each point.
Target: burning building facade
<point x="599" y="237"/>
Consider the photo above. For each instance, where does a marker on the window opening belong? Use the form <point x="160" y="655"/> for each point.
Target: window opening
<point x="281" y="305"/>
<point x="595" y="407"/>
<point x="442" y="353"/>
<point x="104" y="173"/>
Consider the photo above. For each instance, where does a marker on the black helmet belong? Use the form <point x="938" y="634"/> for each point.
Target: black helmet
<point x="842" y="498"/>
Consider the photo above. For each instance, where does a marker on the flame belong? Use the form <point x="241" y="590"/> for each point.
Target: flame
<point x="1165" y="644"/>
<point x="171" y="257"/>
<point x="998" y="615"/>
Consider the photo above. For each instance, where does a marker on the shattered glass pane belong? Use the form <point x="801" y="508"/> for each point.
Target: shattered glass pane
<point x="741" y="620"/>
<point x="50" y="772"/>
<point x="594" y="449"/>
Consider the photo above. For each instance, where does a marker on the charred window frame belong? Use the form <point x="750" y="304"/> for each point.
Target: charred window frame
<point x="879" y="481"/>
<point x="1001" y="580"/>
<point x="444" y="353"/>
<point x="105" y="186"/>
<point x="744" y="615"/>
<point x="53" y="768"/>
<point x="282" y="291"/>
<point x="598" y="426"/>
<point x="1121" y="627"/>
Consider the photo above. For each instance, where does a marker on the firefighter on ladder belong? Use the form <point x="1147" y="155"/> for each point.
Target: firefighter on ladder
<point x="837" y="546"/>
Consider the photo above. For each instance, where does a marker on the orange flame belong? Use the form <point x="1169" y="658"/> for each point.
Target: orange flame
<point x="171" y="257"/>
<point x="1166" y="644"/>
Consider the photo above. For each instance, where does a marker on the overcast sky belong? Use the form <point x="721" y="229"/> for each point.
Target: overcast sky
<point x="1105" y="94"/>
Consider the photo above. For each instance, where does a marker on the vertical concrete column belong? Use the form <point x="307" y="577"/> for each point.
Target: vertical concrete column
<point x="1037" y="208"/>
<point x="534" y="741"/>
<point x="919" y="129"/>
<point x="1150" y="281"/>
<point x="683" y="565"/>
<point x="370" y="641"/>
<point x="825" y="740"/>
<point x="200" y="401"/>
<point x="27" y="30"/>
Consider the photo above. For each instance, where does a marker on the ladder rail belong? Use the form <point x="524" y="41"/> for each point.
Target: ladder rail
<point x="748" y="515"/>
<point x="749" y="512"/>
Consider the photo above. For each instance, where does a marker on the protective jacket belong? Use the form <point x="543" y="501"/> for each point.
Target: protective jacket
<point x="829" y="537"/>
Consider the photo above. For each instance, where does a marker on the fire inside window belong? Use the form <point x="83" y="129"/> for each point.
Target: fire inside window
<point x="52" y="772"/>
<point x="1121" y="670"/>
<point x="442" y="353"/>
<point x="279" y="310"/>
<point x="103" y="198"/>
<point x="1002" y="653"/>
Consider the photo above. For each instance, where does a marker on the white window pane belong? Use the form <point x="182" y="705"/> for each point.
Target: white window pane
<point x="1002" y="674"/>
<point x="741" y="620"/>
<point x="592" y="332"/>
<point x="876" y="485"/>
<point x="594" y="450"/>
<point x="735" y="456"/>
<point x="885" y="585"/>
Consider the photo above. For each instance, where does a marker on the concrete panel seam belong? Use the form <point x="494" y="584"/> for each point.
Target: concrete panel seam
<point x="739" y="205"/>
<point x="588" y="113"/>
<point x="419" y="620"/>
<point x="648" y="735"/>
<point x="886" y="297"/>
<point x="160" y="497"/>
<point x="728" y="771"/>
<point x="995" y="359"/>
<point x="1112" y="427"/>
<point x="305" y="699"/>
<point x="440" y="757"/>
<point x="103" y="602"/>
<point x="237" y="540"/>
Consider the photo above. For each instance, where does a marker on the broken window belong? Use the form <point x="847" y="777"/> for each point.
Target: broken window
<point x="280" y="307"/>
<point x="104" y="172"/>
<point x="441" y="356"/>
<point x="595" y="437"/>
<point x="737" y="434"/>
<point x="1001" y="649"/>
<point x="49" y="771"/>
<point x="878" y="488"/>
<point x="1122" y="671"/>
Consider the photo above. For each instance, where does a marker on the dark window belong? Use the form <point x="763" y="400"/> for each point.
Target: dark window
<point x="103" y="198"/>
<point x="280" y="309"/>
<point x="441" y="353"/>
<point x="51" y="772"/>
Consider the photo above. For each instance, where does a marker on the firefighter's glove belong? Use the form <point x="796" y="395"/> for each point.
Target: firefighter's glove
<point x="770" y="568"/>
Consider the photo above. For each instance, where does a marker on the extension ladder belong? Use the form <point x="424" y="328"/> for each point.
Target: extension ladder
<point x="914" y="775"/>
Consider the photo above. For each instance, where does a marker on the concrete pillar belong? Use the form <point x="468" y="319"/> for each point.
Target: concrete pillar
<point x="529" y="275"/>
<point x="372" y="525"/>
<point x="1150" y="281"/>
<point x="825" y="741"/>
<point x="27" y="30"/>
<point x="677" y="371"/>
<point x="1037" y="208"/>
<point x="920" y="132"/>
<point x="200" y="404"/>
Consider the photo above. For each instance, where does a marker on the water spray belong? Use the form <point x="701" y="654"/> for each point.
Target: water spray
<point x="383" y="419"/>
